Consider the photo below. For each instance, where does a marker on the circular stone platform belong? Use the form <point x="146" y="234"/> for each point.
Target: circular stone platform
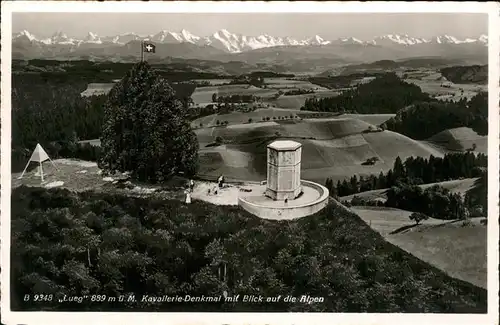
<point x="313" y="199"/>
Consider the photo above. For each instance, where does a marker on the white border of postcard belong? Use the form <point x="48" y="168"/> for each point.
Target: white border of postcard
<point x="11" y="318"/>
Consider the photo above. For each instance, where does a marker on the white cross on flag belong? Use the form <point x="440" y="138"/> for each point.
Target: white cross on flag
<point x="149" y="47"/>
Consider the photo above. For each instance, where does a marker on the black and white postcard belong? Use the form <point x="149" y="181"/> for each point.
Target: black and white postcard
<point x="249" y="163"/>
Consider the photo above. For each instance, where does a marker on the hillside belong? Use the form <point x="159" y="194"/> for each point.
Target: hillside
<point x="458" y="250"/>
<point x="475" y="74"/>
<point x="460" y="139"/>
<point x="455" y="186"/>
<point x="123" y="244"/>
<point x="401" y="64"/>
<point x="332" y="147"/>
<point x="423" y="120"/>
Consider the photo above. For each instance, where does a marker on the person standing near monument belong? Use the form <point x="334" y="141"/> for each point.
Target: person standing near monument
<point x="188" y="196"/>
<point x="221" y="181"/>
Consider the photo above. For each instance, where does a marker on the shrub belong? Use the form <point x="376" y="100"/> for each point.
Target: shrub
<point x="418" y="217"/>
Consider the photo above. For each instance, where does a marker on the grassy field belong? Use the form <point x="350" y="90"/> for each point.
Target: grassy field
<point x="297" y="101"/>
<point x="458" y="250"/>
<point x="456" y="186"/>
<point x="332" y="147"/>
<point x="213" y="82"/>
<point x="204" y="94"/>
<point x="243" y="118"/>
<point x="375" y="119"/>
<point x="460" y="139"/>
<point x="432" y="82"/>
<point x="287" y="84"/>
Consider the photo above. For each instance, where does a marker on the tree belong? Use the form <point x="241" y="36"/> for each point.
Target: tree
<point x="418" y="217"/>
<point x="146" y="130"/>
<point x="250" y="120"/>
<point x="398" y="169"/>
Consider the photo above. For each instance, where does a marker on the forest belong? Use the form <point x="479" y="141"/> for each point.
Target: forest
<point x="44" y="110"/>
<point x="386" y="94"/>
<point x="89" y="71"/>
<point x="435" y="201"/>
<point x="425" y="119"/>
<point x="109" y="244"/>
<point x="404" y="193"/>
<point x="234" y="98"/>
<point x="342" y="81"/>
<point x="415" y="171"/>
<point x="418" y="116"/>
<point x="477" y="74"/>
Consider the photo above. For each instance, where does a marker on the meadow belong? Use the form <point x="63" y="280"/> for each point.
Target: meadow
<point x="460" y="139"/>
<point x="456" y="248"/>
<point x="433" y="83"/>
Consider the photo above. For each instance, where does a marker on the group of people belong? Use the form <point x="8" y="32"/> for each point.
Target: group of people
<point x="220" y="184"/>
<point x="189" y="190"/>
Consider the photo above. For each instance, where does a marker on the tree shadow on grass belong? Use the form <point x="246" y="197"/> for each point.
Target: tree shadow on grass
<point x="401" y="229"/>
<point x="407" y="227"/>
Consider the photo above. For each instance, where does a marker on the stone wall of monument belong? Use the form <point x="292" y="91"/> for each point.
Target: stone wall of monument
<point x="290" y="212"/>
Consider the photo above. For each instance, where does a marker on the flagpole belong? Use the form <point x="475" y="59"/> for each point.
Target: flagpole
<point x="142" y="50"/>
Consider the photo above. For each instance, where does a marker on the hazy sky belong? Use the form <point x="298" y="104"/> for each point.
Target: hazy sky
<point x="328" y="26"/>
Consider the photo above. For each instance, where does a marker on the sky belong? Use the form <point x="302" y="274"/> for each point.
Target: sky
<point x="327" y="25"/>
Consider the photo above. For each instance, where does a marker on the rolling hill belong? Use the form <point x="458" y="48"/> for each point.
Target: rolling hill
<point x="332" y="147"/>
<point x="459" y="139"/>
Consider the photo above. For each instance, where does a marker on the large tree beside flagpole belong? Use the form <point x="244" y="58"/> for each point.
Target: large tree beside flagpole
<point x="146" y="130"/>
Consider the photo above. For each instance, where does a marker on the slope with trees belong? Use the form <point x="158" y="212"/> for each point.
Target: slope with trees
<point x="477" y="74"/>
<point x="415" y="171"/>
<point x="385" y="94"/>
<point x="423" y="120"/>
<point x="72" y="244"/>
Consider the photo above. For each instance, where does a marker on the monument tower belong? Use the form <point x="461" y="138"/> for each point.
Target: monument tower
<point x="285" y="195"/>
<point x="283" y="170"/>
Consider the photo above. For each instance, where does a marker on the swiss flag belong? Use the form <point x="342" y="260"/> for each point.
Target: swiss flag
<point x="148" y="47"/>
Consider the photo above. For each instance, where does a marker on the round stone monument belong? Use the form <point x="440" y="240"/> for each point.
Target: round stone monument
<point x="284" y="195"/>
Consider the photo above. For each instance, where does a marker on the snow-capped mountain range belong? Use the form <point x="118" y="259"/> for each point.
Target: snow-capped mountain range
<point x="236" y="43"/>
